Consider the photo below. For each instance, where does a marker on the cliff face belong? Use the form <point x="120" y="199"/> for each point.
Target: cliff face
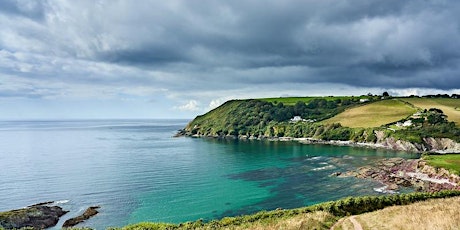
<point x="398" y="172"/>
<point x="443" y="145"/>
<point x="430" y="144"/>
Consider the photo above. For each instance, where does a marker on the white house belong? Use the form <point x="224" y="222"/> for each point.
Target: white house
<point x="404" y="124"/>
<point x="296" y="119"/>
<point x="363" y="100"/>
<point x="407" y="123"/>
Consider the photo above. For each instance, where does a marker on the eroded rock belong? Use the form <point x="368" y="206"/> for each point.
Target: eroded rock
<point x="396" y="172"/>
<point x="90" y="212"/>
<point x="38" y="216"/>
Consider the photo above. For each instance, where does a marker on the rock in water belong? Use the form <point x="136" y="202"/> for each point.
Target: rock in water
<point x="90" y="212"/>
<point x="37" y="216"/>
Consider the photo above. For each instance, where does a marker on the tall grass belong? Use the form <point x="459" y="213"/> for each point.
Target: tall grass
<point x="433" y="214"/>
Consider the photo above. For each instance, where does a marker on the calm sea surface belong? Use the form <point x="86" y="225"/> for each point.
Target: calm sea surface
<point x="136" y="171"/>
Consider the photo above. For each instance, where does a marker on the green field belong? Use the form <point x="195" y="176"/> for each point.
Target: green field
<point x="373" y="115"/>
<point x="448" y="161"/>
<point x="450" y="106"/>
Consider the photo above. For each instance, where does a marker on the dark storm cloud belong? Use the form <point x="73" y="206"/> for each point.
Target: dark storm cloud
<point x="215" y="45"/>
<point x="363" y="43"/>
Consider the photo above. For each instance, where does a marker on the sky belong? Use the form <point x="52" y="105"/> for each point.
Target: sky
<point x="96" y="59"/>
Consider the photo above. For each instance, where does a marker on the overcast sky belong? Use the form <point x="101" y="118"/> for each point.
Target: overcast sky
<point x="177" y="59"/>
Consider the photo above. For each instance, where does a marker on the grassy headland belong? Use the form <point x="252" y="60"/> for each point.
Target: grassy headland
<point x="330" y="118"/>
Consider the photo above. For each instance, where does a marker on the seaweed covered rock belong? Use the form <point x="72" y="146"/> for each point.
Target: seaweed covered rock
<point x="90" y="212"/>
<point x="37" y="216"/>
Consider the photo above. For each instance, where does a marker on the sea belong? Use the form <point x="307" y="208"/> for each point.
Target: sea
<point x="136" y="171"/>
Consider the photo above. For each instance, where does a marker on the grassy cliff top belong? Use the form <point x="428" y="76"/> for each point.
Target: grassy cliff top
<point x="374" y="114"/>
<point x="293" y="100"/>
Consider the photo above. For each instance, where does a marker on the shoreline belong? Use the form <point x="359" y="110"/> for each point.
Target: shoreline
<point x="394" y="173"/>
<point x="435" y="145"/>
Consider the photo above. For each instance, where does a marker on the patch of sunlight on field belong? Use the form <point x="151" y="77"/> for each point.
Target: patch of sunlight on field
<point x="448" y="161"/>
<point x="374" y="114"/>
<point x="450" y="106"/>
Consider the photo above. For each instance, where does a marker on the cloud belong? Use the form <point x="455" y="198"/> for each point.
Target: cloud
<point x="182" y="50"/>
<point x="215" y="103"/>
<point x="191" y="105"/>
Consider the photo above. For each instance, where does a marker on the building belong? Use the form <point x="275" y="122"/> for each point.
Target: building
<point x="296" y="119"/>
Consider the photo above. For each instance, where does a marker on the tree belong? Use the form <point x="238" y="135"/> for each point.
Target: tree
<point x="385" y="94"/>
<point x="299" y="108"/>
<point x="436" y="116"/>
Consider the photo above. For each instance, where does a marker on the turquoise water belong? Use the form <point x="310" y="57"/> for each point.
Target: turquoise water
<point x="136" y="171"/>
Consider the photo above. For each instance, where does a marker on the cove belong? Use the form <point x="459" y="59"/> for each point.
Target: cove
<point x="136" y="171"/>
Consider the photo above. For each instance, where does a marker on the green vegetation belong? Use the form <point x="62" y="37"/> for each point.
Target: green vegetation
<point x="450" y="106"/>
<point x="256" y="117"/>
<point x="431" y="123"/>
<point x="294" y="100"/>
<point x="450" y="162"/>
<point x="373" y="115"/>
<point x="324" y="119"/>
<point x="335" y="209"/>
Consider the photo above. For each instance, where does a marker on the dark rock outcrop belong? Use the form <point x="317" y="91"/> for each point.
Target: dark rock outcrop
<point x="90" y="212"/>
<point x="38" y="216"/>
<point x="397" y="172"/>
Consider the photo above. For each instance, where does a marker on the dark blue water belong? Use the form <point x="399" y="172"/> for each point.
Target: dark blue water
<point x="136" y="171"/>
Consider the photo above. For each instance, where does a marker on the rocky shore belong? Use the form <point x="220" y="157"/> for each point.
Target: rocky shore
<point x="397" y="172"/>
<point x="429" y="144"/>
<point x="90" y="212"/>
<point x="38" y="216"/>
<point x="41" y="216"/>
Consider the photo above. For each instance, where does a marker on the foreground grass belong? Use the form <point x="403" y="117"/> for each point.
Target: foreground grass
<point x="450" y="162"/>
<point x="321" y="216"/>
<point x="433" y="214"/>
<point x="450" y="106"/>
<point x="373" y="115"/>
<point x="314" y="220"/>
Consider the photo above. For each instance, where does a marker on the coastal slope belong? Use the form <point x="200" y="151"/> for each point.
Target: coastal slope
<point x="379" y="122"/>
<point x="374" y="114"/>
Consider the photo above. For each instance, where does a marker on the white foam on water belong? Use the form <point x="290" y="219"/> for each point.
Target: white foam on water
<point x="61" y="201"/>
<point x="324" y="168"/>
<point x="384" y="190"/>
<point x="314" y="158"/>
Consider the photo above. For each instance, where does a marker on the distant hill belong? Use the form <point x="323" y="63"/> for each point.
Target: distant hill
<point x="369" y="119"/>
<point x="254" y="117"/>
